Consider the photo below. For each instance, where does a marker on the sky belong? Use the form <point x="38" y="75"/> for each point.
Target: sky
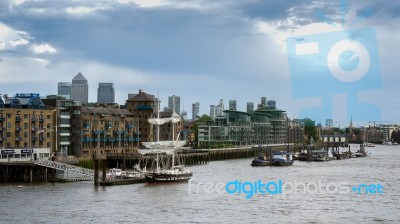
<point x="201" y="50"/>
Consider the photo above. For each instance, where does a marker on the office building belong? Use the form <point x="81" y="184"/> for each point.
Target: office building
<point x="250" y="107"/>
<point x="212" y="111"/>
<point x="106" y="93"/>
<point x="265" y="125"/>
<point x="195" y="110"/>
<point x="232" y="105"/>
<point x="174" y="102"/>
<point x="64" y="89"/>
<point x="80" y="89"/>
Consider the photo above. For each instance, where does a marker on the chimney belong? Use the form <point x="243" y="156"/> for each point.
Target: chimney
<point x="140" y="91"/>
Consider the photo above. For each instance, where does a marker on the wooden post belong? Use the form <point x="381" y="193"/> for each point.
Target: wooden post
<point x="96" y="172"/>
<point x="30" y="175"/>
<point x="103" y="175"/>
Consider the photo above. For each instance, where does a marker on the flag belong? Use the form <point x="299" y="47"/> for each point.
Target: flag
<point x="40" y="131"/>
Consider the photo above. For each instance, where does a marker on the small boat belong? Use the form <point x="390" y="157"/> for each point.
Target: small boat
<point x="369" y="144"/>
<point x="282" y="159"/>
<point x="117" y="174"/>
<point x="296" y="156"/>
<point x="303" y="156"/>
<point x="387" y="143"/>
<point x="330" y="155"/>
<point x="260" y="161"/>
<point x="114" y="173"/>
<point x="320" y="158"/>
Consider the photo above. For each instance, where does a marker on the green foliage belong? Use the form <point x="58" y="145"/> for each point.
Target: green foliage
<point x="310" y="130"/>
<point x="337" y="130"/>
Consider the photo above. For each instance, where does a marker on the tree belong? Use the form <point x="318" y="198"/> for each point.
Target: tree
<point x="310" y="130"/>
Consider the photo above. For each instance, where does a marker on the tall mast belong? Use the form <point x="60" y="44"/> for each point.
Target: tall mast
<point x="158" y="117"/>
<point x="173" y="112"/>
<point x="173" y="131"/>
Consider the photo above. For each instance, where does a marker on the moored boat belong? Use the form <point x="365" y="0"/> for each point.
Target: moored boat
<point x="282" y="159"/>
<point x="260" y="161"/>
<point x="165" y="172"/>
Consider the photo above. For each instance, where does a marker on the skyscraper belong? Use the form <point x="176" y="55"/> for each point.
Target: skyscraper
<point x="250" y="107"/>
<point x="106" y="93"/>
<point x="177" y="100"/>
<point x="212" y="111"/>
<point x="79" y="89"/>
<point x="232" y="104"/>
<point x="64" y="89"/>
<point x="219" y="109"/>
<point x="195" y="110"/>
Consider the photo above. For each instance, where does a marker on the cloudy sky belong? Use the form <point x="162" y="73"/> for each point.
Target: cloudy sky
<point x="201" y="50"/>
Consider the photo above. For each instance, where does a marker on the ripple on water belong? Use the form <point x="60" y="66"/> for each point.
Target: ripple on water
<point x="80" y="202"/>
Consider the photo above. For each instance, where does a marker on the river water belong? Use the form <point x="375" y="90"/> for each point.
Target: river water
<point x="202" y="200"/>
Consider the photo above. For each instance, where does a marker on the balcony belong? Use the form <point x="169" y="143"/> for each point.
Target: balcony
<point x="18" y="119"/>
<point x="2" y="119"/>
<point x="18" y="139"/>
<point x="2" y="128"/>
<point x="108" y="126"/>
<point x="41" y="119"/>
<point x="124" y="133"/>
<point x="87" y="139"/>
<point x="145" y="107"/>
<point x="34" y="129"/>
<point x="42" y="139"/>
<point x="118" y="132"/>
<point x="118" y="139"/>
<point x="86" y="126"/>
<point x="34" y="139"/>
<point x="134" y="139"/>
<point x="97" y="139"/>
<point x="34" y="119"/>
<point x="129" y="126"/>
<point x="97" y="132"/>
<point x="18" y="128"/>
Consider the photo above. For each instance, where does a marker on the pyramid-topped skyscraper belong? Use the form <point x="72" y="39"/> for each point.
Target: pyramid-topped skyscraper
<point x="80" y="89"/>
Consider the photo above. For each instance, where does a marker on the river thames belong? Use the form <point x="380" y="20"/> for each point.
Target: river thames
<point x="202" y="201"/>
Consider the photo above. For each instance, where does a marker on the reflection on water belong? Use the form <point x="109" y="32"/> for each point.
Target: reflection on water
<point x="81" y="202"/>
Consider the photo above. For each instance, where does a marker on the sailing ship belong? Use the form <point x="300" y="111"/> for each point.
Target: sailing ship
<point x="168" y="172"/>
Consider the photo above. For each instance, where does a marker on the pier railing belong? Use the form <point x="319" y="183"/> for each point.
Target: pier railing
<point x="70" y="172"/>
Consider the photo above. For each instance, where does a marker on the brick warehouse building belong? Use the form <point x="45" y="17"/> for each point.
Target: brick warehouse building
<point x="101" y="131"/>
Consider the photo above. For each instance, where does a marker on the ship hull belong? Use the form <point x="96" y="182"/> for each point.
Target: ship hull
<point x="168" y="178"/>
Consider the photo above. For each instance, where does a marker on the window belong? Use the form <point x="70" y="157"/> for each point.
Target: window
<point x="8" y="124"/>
<point x="48" y="116"/>
<point x="25" y="116"/>
<point x="48" y="134"/>
<point x="8" y="115"/>
<point x="25" y="125"/>
<point x="25" y="134"/>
